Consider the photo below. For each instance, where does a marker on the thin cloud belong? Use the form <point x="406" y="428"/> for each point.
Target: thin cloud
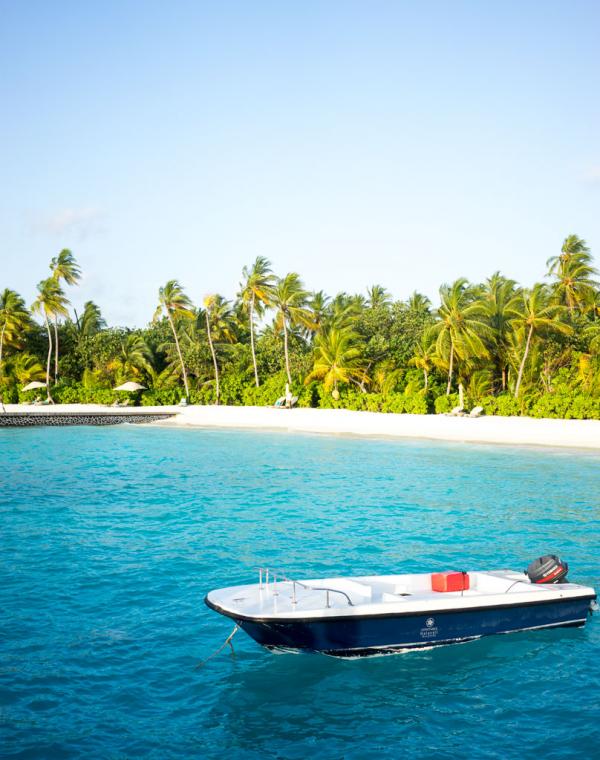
<point x="76" y="223"/>
<point x="592" y="175"/>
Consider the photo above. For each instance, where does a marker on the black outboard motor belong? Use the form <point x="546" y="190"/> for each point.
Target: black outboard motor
<point x="548" y="569"/>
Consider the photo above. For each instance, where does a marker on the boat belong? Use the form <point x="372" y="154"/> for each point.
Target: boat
<point x="384" y="614"/>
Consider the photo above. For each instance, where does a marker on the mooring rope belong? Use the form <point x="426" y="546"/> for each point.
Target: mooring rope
<point x="220" y="649"/>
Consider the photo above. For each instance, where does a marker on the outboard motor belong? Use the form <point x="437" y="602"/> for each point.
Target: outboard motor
<point x="548" y="569"/>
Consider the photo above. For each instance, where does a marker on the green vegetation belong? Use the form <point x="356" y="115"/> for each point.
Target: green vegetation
<point x="510" y="349"/>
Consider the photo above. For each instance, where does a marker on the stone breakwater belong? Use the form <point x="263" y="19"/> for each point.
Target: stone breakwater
<point x="59" y="419"/>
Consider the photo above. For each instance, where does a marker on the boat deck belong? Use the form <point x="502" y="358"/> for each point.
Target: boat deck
<point x="383" y="594"/>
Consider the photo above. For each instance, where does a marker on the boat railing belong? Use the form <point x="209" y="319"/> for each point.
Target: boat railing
<point x="266" y="574"/>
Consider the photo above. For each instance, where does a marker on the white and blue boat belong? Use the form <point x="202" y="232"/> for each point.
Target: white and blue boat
<point x="384" y="614"/>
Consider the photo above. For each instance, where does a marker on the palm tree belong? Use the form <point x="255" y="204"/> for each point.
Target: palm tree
<point x="377" y="295"/>
<point x="133" y="359"/>
<point x="572" y="246"/>
<point x="50" y="303"/>
<point x="573" y="272"/>
<point x="63" y="267"/>
<point x="25" y="367"/>
<point x="592" y="334"/>
<point x="537" y="313"/>
<point x="344" y="310"/>
<point x="462" y="326"/>
<point x="219" y="328"/>
<point x="319" y="307"/>
<point x="256" y="293"/>
<point x="337" y="359"/>
<point x="596" y="306"/>
<point x="479" y="384"/>
<point x="419" y="303"/>
<point x="502" y="300"/>
<point x="384" y="378"/>
<point x="289" y="299"/>
<point x="424" y="357"/>
<point x="14" y="317"/>
<point x="91" y="320"/>
<point x="175" y="304"/>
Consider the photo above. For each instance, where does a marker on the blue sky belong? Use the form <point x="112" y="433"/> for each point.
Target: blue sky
<point x="354" y="142"/>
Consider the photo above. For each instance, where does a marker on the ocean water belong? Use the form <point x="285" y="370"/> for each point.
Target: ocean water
<point x="110" y="538"/>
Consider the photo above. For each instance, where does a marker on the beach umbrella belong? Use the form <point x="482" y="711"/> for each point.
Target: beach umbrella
<point x="33" y="385"/>
<point x="130" y="386"/>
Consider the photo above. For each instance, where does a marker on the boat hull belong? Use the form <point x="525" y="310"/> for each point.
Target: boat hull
<point x="355" y="636"/>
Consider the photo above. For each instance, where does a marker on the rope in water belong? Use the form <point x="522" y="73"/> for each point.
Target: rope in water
<point x="220" y="649"/>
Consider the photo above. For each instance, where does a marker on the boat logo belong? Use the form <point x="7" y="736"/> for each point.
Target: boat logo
<point x="430" y="630"/>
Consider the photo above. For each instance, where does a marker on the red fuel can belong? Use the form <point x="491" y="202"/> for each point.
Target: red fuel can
<point x="451" y="580"/>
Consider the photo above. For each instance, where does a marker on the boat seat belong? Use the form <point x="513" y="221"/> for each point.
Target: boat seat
<point x="388" y="597"/>
<point x="391" y="588"/>
<point x="352" y="588"/>
<point x="490" y="584"/>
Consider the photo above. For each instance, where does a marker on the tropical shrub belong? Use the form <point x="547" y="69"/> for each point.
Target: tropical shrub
<point x="9" y="393"/>
<point x="268" y="392"/>
<point x="446" y="403"/>
<point x="504" y="405"/>
<point x="394" y="403"/>
<point x="162" y="397"/>
<point x="566" y="406"/>
<point x="416" y="403"/>
<point x="76" y="393"/>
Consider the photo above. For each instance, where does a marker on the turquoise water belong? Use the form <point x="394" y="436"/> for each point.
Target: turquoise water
<point x="111" y="537"/>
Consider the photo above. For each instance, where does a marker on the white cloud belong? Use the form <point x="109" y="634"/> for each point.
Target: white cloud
<point x="76" y="223"/>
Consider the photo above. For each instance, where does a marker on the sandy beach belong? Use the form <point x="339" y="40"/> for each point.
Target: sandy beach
<point x="501" y="430"/>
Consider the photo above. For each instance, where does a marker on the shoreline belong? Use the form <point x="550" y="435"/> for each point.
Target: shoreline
<point x="516" y="431"/>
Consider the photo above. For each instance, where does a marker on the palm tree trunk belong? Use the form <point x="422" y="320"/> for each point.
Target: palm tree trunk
<point x="450" y="369"/>
<point x="214" y="357"/>
<point x="522" y="367"/>
<point x="252" y="341"/>
<point x="285" y="349"/>
<point x="185" y="380"/>
<point x="48" y="360"/>
<point x="426" y="377"/>
<point x="2" y="344"/>
<point x="55" y="349"/>
<point x="361" y="385"/>
<point x="503" y="379"/>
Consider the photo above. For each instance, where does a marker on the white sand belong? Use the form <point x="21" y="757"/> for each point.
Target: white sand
<point x="506" y="430"/>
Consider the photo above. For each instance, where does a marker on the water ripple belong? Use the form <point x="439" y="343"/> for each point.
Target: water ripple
<point x="111" y="538"/>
